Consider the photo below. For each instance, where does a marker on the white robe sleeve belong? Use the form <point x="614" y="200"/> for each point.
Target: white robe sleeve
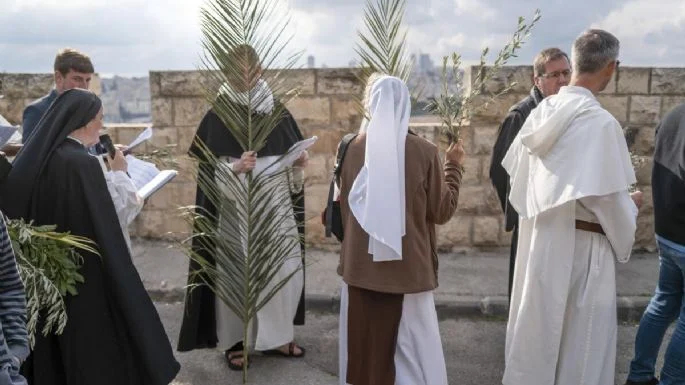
<point x="617" y="214"/>
<point x="124" y="194"/>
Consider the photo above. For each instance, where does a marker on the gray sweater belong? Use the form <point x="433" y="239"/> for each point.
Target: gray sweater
<point x="14" y="346"/>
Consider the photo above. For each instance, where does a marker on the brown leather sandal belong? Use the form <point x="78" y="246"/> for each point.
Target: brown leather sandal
<point x="235" y="355"/>
<point x="290" y="354"/>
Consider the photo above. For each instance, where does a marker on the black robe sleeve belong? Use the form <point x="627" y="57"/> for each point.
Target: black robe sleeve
<point x="500" y="179"/>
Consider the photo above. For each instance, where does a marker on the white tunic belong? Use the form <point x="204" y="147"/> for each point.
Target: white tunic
<point x="570" y="161"/>
<point x="273" y="325"/>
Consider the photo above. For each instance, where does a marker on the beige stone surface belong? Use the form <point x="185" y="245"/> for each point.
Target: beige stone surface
<point x="645" y="109"/>
<point x="644" y="236"/>
<point x="163" y="137"/>
<point x="162" y="111"/>
<point x="310" y="110"/>
<point x="520" y="78"/>
<point x="303" y="79"/>
<point x="472" y="170"/>
<point x="180" y="83"/>
<point x="345" y="112"/>
<point x="189" y="111"/>
<point x="668" y="103"/>
<point x="486" y="231"/>
<point x="668" y="81"/>
<point x="455" y="232"/>
<point x="633" y="80"/>
<point x="484" y="138"/>
<point x="496" y="110"/>
<point x="338" y="81"/>
<point x="644" y="141"/>
<point x="471" y="199"/>
<point x="644" y="174"/>
<point x="12" y="109"/>
<point x="616" y="105"/>
<point x="186" y="135"/>
<point x="319" y="169"/>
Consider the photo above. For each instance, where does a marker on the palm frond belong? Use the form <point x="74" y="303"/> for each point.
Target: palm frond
<point x="250" y="237"/>
<point x="455" y="107"/>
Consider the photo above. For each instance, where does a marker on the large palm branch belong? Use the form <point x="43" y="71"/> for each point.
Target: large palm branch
<point x="250" y="236"/>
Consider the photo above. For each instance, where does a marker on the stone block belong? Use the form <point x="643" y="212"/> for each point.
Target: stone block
<point x="633" y="80"/>
<point x="15" y="86"/>
<point x="187" y="170"/>
<point x="316" y="198"/>
<point x="522" y="76"/>
<point x="162" y="199"/>
<point x="95" y="84"/>
<point x="126" y="134"/>
<point x="456" y="232"/>
<point x="472" y="170"/>
<point x="484" y="138"/>
<point x="616" y="105"/>
<point x="309" y="110"/>
<point x="319" y="169"/>
<point x="611" y="87"/>
<point x="668" y="103"/>
<point x="428" y="131"/>
<point x="155" y="79"/>
<point x="327" y="144"/>
<point x="668" y="81"/>
<point x="504" y="236"/>
<point x="163" y="137"/>
<point x="644" y="141"/>
<point x="644" y="173"/>
<point x="466" y="134"/>
<point x="486" y="231"/>
<point x="12" y="109"/>
<point x="644" y="235"/>
<point x="645" y="109"/>
<point x="345" y="111"/>
<point x="647" y="208"/>
<point x="337" y="81"/>
<point x="302" y="79"/>
<point x="186" y="135"/>
<point x="491" y="203"/>
<point x="162" y="111"/>
<point x="189" y="111"/>
<point x="181" y="83"/>
<point x="471" y="199"/>
<point x="496" y="110"/>
<point x="40" y="85"/>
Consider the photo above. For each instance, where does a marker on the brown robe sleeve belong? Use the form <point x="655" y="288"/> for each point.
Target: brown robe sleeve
<point x="443" y="190"/>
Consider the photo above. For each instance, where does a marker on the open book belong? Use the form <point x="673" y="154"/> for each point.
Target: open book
<point x="147" y="177"/>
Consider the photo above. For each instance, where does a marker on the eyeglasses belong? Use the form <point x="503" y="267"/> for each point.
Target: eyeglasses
<point x="557" y="74"/>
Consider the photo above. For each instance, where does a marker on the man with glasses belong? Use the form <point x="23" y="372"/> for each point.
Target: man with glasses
<point x="551" y="71"/>
<point x="570" y="175"/>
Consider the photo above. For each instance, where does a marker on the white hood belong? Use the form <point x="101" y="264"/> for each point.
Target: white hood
<point x="568" y="148"/>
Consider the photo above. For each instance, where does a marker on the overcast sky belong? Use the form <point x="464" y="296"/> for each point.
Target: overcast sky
<point x="131" y="37"/>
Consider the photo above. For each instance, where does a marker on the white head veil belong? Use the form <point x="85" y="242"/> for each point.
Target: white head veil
<point x="377" y="197"/>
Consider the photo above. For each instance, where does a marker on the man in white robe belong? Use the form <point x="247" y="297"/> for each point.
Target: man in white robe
<point x="570" y="173"/>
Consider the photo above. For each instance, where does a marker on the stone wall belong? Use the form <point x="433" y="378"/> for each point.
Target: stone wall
<point x="637" y="97"/>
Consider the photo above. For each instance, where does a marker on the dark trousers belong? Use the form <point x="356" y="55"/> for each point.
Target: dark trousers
<point x="512" y="258"/>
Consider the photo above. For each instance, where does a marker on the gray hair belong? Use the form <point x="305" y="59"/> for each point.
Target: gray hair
<point x="594" y="49"/>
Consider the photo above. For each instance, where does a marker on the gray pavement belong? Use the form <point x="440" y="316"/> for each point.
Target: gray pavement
<point x="472" y="284"/>
<point x="473" y="353"/>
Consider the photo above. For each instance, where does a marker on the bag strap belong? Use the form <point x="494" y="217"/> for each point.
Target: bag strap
<point x="342" y="149"/>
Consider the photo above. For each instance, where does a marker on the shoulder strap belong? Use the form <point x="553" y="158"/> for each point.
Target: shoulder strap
<point x="342" y="149"/>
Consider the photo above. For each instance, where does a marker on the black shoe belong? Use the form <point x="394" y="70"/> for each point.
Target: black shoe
<point x="653" y="381"/>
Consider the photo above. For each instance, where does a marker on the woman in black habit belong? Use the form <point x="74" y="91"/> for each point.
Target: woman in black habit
<point x="207" y="323"/>
<point x="113" y="334"/>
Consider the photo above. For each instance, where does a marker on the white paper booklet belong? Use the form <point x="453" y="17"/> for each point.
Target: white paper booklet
<point x="294" y="152"/>
<point x="147" y="177"/>
<point x="6" y="132"/>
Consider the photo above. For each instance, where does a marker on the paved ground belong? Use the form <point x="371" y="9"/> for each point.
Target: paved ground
<point x="473" y="350"/>
<point x="471" y="284"/>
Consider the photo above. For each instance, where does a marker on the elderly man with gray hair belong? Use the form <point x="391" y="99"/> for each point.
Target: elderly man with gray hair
<point x="570" y="172"/>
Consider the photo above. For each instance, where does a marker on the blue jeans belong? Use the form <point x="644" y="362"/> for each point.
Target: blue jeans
<point x="666" y="306"/>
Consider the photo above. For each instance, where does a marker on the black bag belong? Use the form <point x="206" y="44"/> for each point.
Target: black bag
<point x="331" y="216"/>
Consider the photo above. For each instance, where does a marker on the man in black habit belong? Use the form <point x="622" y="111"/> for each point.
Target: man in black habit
<point x="113" y="334"/>
<point x="207" y="322"/>
<point x="551" y="71"/>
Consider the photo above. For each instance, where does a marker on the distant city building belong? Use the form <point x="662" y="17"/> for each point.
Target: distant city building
<point x="311" y="61"/>
<point x="425" y="63"/>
